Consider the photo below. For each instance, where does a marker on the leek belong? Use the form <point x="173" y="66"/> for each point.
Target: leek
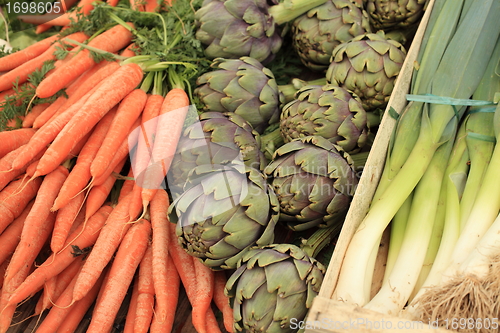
<point x="462" y="66"/>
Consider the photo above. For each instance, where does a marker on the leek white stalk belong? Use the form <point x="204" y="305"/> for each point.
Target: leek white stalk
<point x="461" y="65"/>
<point x="397" y="290"/>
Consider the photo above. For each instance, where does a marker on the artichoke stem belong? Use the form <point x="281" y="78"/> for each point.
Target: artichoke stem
<point x="289" y="90"/>
<point x="319" y="239"/>
<point x="373" y="119"/>
<point x="288" y="10"/>
<point x="270" y="142"/>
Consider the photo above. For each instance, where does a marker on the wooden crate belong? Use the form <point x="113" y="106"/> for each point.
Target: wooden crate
<point x="326" y="314"/>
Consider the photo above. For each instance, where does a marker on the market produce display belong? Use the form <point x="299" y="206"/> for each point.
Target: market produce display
<point x="156" y="153"/>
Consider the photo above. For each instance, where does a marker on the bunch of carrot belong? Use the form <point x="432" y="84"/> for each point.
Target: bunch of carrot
<point x="59" y="232"/>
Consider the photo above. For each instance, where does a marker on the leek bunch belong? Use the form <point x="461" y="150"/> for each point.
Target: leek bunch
<point x="434" y="198"/>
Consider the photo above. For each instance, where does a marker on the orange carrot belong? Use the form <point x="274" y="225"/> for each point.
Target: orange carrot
<point x="127" y="259"/>
<point x="105" y="246"/>
<point x="121" y="153"/>
<point x="83" y="237"/>
<point x="10" y="237"/>
<point x="152" y="6"/>
<point x="132" y="308"/>
<point x="127" y="186"/>
<point x="98" y="194"/>
<point x="111" y="40"/>
<point x="128" y="112"/>
<point x="79" y="88"/>
<point x="49" y="112"/>
<point x="7" y="309"/>
<point x="145" y="141"/>
<point x="38" y="214"/>
<point x="14" y="198"/>
<point x="172" y="297"/>
<point x="14" y="139"/>
<point x="129" y="51"/>
<point x="79" y="176"/>
<point x="20" y="73"/>
<point x="58" y="6"/>
<point x="55" y="286"/>
<point x="212" y="324"/>
<point x="222" y="301"/>
<point x="47" y="133"/>
<point x="3" y="268"/>
<point x="35" y="112"/>
<point x="109" y="94"/>
<point x="146" y="297"/>
<point x="18" y="58"/>
<point x="172" y="114"/>
<point x="78" y="310"/>
<point x="65" y="218"/>
<point x="160" y="246"/>
<point x="185" y="265"/>
<point x="112" y="3"/>
<point x="7" y="174"/>
<point x="204" y="292"/>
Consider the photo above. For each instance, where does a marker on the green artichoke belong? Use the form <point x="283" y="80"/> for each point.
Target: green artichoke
<point x="328" y="111"/>
<point x="368" y="66"/>
<point x="225" y="211"/>
<point x="395" y="14"/>
<point x="218" y="138"/>
<point x="236" y="28"/>
<point x="273" y="288"/>
<point x="243" y="86"/>
<point x="316" y="33"/>
<point x="314" y="181"/>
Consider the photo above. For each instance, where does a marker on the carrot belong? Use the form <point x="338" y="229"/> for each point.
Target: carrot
<point x="13" y="200"/>
<point x="172" y="297"/>
<point x="105" y="246"/>
<point x="3" y="268"/>
<point x="146" y="297"/>
<point x="37" y="216"/>
<point x="55" y="286"/>
<point x="81" y="86"/>
<point x="7" y="174"/>
<point x="47" y="133"/>
<point x="204" y="292"/>
<point x="152" y="6"/>
<point x="98" y="194"/>
<point x="35" y="112"/>
<point x="185" y="265"/>
<point x="160" y="246"/>
<point x="109" y="94"/>
<point x="58" y="313"/>
<point x="14" y="139"/>
<point x="49" y="112"/>
<point x="18" y="58"/>
<point x="79" y="176"/>
<point x="127" y="259"/>
<point x="127" y="187"/>
<point x="212" y="324"/>
<point x="128" y="112"/>
<point x="20" y="73"/>
<point x="222" y="301"/>
<point x="78" y="310"/>
<point x="172" y="114"/>
<point x="137" y="5"/>
<point x="111" y="40"/>
<point x="145" y="142"/>
<point x="7" y="309"/>
<point x="65" y="218"/>
<point x="83" y="237"/>
<point x="129" y="51"/>
<point x="132" y="308"/>
<point x="121" y="153"/>
<point x="63" y="7"/>
<point x="112" y="3"/>
<point x="10" y="237"/>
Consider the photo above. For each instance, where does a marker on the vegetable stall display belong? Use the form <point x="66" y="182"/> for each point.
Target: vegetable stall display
<point x="151" y="153"/>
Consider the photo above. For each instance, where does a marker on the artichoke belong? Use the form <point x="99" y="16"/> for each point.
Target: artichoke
<point x="395" y="14"/>
<point x="368" y="66"/>
<point x="243" y="86"/>
<point x="328" y="111"/>
<point x="316" y="33"/>
<point x="314" y="181"/>
<point x="218" y="138"/>
<point x="236" y="28"/>
<point x="273" y="287"/>
<point x="224" y="212"/>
